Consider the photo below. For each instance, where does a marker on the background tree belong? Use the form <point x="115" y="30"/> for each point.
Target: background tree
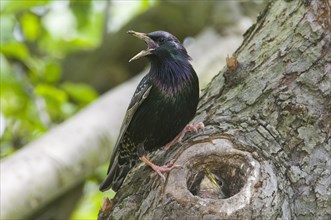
<point x="267" y="135"/>
<point x="108" y="62"/>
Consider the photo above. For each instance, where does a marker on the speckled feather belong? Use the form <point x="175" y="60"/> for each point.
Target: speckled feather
<point x="162" y="105"/>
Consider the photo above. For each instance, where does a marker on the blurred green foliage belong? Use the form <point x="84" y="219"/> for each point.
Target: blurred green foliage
<point x="33" y="97"/>
<point x="35" y="36"/>
<point x="89" y="205"/>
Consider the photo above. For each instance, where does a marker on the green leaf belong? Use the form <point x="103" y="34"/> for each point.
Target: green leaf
<point x="144" y="5"/>
<point x="89" y="205"/>
<point x="81" y="10"/>
<point x="5" y="67"/>
<point x="11" y="7"/>
<point x="68" y="109"/>
<point x="30" y="26"/>
<point x="52" y="92"/>
<point x="80" y="92"/>
<point x="7" y="26"/>
<point x="52" y="72"/>
<point x="13" y="100"/>
<point x="15" y="50"/>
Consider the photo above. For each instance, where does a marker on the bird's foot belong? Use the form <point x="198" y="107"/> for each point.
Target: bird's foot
<point x="194" y="127"/>
<point x="164" y="169"/>
<point x="159" y="169"/>
<point x="188" y="128"/>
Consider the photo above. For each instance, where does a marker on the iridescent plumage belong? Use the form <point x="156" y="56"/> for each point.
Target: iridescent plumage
<point x="164" y="102"/>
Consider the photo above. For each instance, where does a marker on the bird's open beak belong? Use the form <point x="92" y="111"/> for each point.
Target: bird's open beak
<point x="151" y="45"/>
<point x="211" y="177"/>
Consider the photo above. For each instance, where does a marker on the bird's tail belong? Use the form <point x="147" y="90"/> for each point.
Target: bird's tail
<point x="115" y="177"/>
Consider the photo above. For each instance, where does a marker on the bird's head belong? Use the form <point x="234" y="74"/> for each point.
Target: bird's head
<point x="160" y="45"/>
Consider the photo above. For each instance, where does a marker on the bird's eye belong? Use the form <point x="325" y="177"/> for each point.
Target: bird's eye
<point x="161" y="40"/>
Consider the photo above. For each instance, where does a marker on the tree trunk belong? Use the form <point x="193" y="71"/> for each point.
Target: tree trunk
<point x="267" y="134"/>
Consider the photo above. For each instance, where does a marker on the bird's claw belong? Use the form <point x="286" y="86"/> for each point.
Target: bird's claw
<point x="194" y="127"/>
<point x="164" y="169"/>
<point x="188" y="128"/>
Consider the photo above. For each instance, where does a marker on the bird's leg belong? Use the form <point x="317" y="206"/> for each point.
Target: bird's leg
<point x="158" y="169"/>
<point x="188" y="128"/>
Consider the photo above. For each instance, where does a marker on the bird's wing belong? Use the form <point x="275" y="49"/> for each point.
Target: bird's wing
<point x="139" y="96"/>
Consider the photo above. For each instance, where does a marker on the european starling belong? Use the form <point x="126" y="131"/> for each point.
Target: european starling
<point x="211" y="186"/>
<point x="164" y="102"/>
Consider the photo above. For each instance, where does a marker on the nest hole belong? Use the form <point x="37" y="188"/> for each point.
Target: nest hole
<point x="218" y="177"/>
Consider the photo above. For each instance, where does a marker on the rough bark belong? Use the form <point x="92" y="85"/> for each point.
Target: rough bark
<point x="267" y="134"/>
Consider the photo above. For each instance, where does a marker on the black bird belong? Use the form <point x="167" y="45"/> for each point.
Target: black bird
<point x="164" y="102"/>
